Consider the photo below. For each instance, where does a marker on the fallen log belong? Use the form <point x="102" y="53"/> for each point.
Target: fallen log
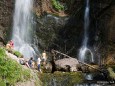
<point x="77" y="59"/>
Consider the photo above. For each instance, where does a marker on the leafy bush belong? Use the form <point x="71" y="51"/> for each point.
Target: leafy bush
<point x="2" y="83"/>
<point x="10" y="70"/>
<point x="111" y="73"/>
<point x="57" y="5"/>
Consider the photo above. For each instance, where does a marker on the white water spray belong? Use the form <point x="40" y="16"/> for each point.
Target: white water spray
<point x="23" y="32"/>
<point x="84" y="49"/>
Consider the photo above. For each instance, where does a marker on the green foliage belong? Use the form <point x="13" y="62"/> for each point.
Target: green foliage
<point x="111" y="73"/>
<point x="2" y="83"/>
<point x="26" y="74"/>
<point x="17" y="53"/>
<point x="112" y="66"/>
<point x="65" y="79"/>
<point x="10" y="70"/>
<point x="2" y="53"/>
<point x="57" y="5"/>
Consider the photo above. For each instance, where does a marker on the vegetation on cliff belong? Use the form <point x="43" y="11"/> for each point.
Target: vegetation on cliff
<point x="57" y="5"/>
<point x="10" y="71"/>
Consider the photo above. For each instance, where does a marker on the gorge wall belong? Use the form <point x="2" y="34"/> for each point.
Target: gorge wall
<point x="6" y="16"/>
<point x="63" y="29"/>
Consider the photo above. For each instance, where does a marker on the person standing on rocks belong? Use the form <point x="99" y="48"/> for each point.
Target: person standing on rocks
<point x="11" y="44"/>
<point x="30" y="62"/>
<point x="44" y="56"/>
<point x="38" y="64"/>
<point x="8" y="47"/>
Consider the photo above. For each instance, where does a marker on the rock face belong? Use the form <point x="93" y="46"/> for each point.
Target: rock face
<point x="48" y="30"/>
<point x="6" y="14"/>
<point x="62" y="33"/>
<point x="67" y="64"/>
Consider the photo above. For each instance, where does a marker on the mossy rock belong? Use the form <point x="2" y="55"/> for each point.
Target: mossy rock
<point x="46" y="68"/>
<point x="17" y="53"/>
<point x="61" y="78"/>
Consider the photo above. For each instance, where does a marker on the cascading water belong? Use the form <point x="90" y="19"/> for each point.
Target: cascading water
<point x="84" y="50"/>
<point x="23" y="32"/>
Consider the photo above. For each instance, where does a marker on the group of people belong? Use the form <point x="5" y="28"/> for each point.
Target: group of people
<point x="32" y="64"/>
<point x="29" y="63"/>
<point x="43" y="59"/>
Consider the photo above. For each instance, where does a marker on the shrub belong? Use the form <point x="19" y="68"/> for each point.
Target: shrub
<point x="10" y="70"/>
<point x="57" y="5"/>
<point x="111" y="73"/>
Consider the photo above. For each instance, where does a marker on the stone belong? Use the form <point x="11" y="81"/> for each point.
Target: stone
<point x="10" y="55"/>
<point x="67" y="64"/>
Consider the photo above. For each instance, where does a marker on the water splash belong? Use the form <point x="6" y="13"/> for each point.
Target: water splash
<point x="88" y="77"/>
<point x="84" y="49"/>
<point x="85" y="55"/>
<point x="23" y="32"/>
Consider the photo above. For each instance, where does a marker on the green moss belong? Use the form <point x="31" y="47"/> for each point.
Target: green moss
<point x="37" y="81"/>
<point x="65" y="79"/>
<point x="17" y="53"/>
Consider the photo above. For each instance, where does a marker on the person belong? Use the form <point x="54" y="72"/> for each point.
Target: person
<point x="8" y="47"/>
<point x="38" y="63"/>
<point x="30" y="62"/>
<point x="26" y="63"/>
<point x="11" y="44"/>
<point x="33" y="64"/>
<point x="44" y="56"/>
<point x="22" y="60"/>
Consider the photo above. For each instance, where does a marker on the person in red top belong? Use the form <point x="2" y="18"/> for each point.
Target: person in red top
<point x="11" y="44"/>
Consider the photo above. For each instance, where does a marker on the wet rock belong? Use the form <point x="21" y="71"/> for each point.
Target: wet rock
<point x="6" y="17"/>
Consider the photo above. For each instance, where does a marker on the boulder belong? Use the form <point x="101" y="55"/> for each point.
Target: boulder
<point x="12" y="56"/>
<point x="67" y="64"/>
<point x="47" y="68"/>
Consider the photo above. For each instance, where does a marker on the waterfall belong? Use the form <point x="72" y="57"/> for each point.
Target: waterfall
<point x="23" y="31"/>
<point x="84" y="50"/>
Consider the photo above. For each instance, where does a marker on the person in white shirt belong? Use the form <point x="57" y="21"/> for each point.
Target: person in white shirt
<point x="38" y="63"/>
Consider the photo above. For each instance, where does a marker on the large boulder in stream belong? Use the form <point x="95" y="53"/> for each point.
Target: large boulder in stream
<point x="67" y="64"/>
